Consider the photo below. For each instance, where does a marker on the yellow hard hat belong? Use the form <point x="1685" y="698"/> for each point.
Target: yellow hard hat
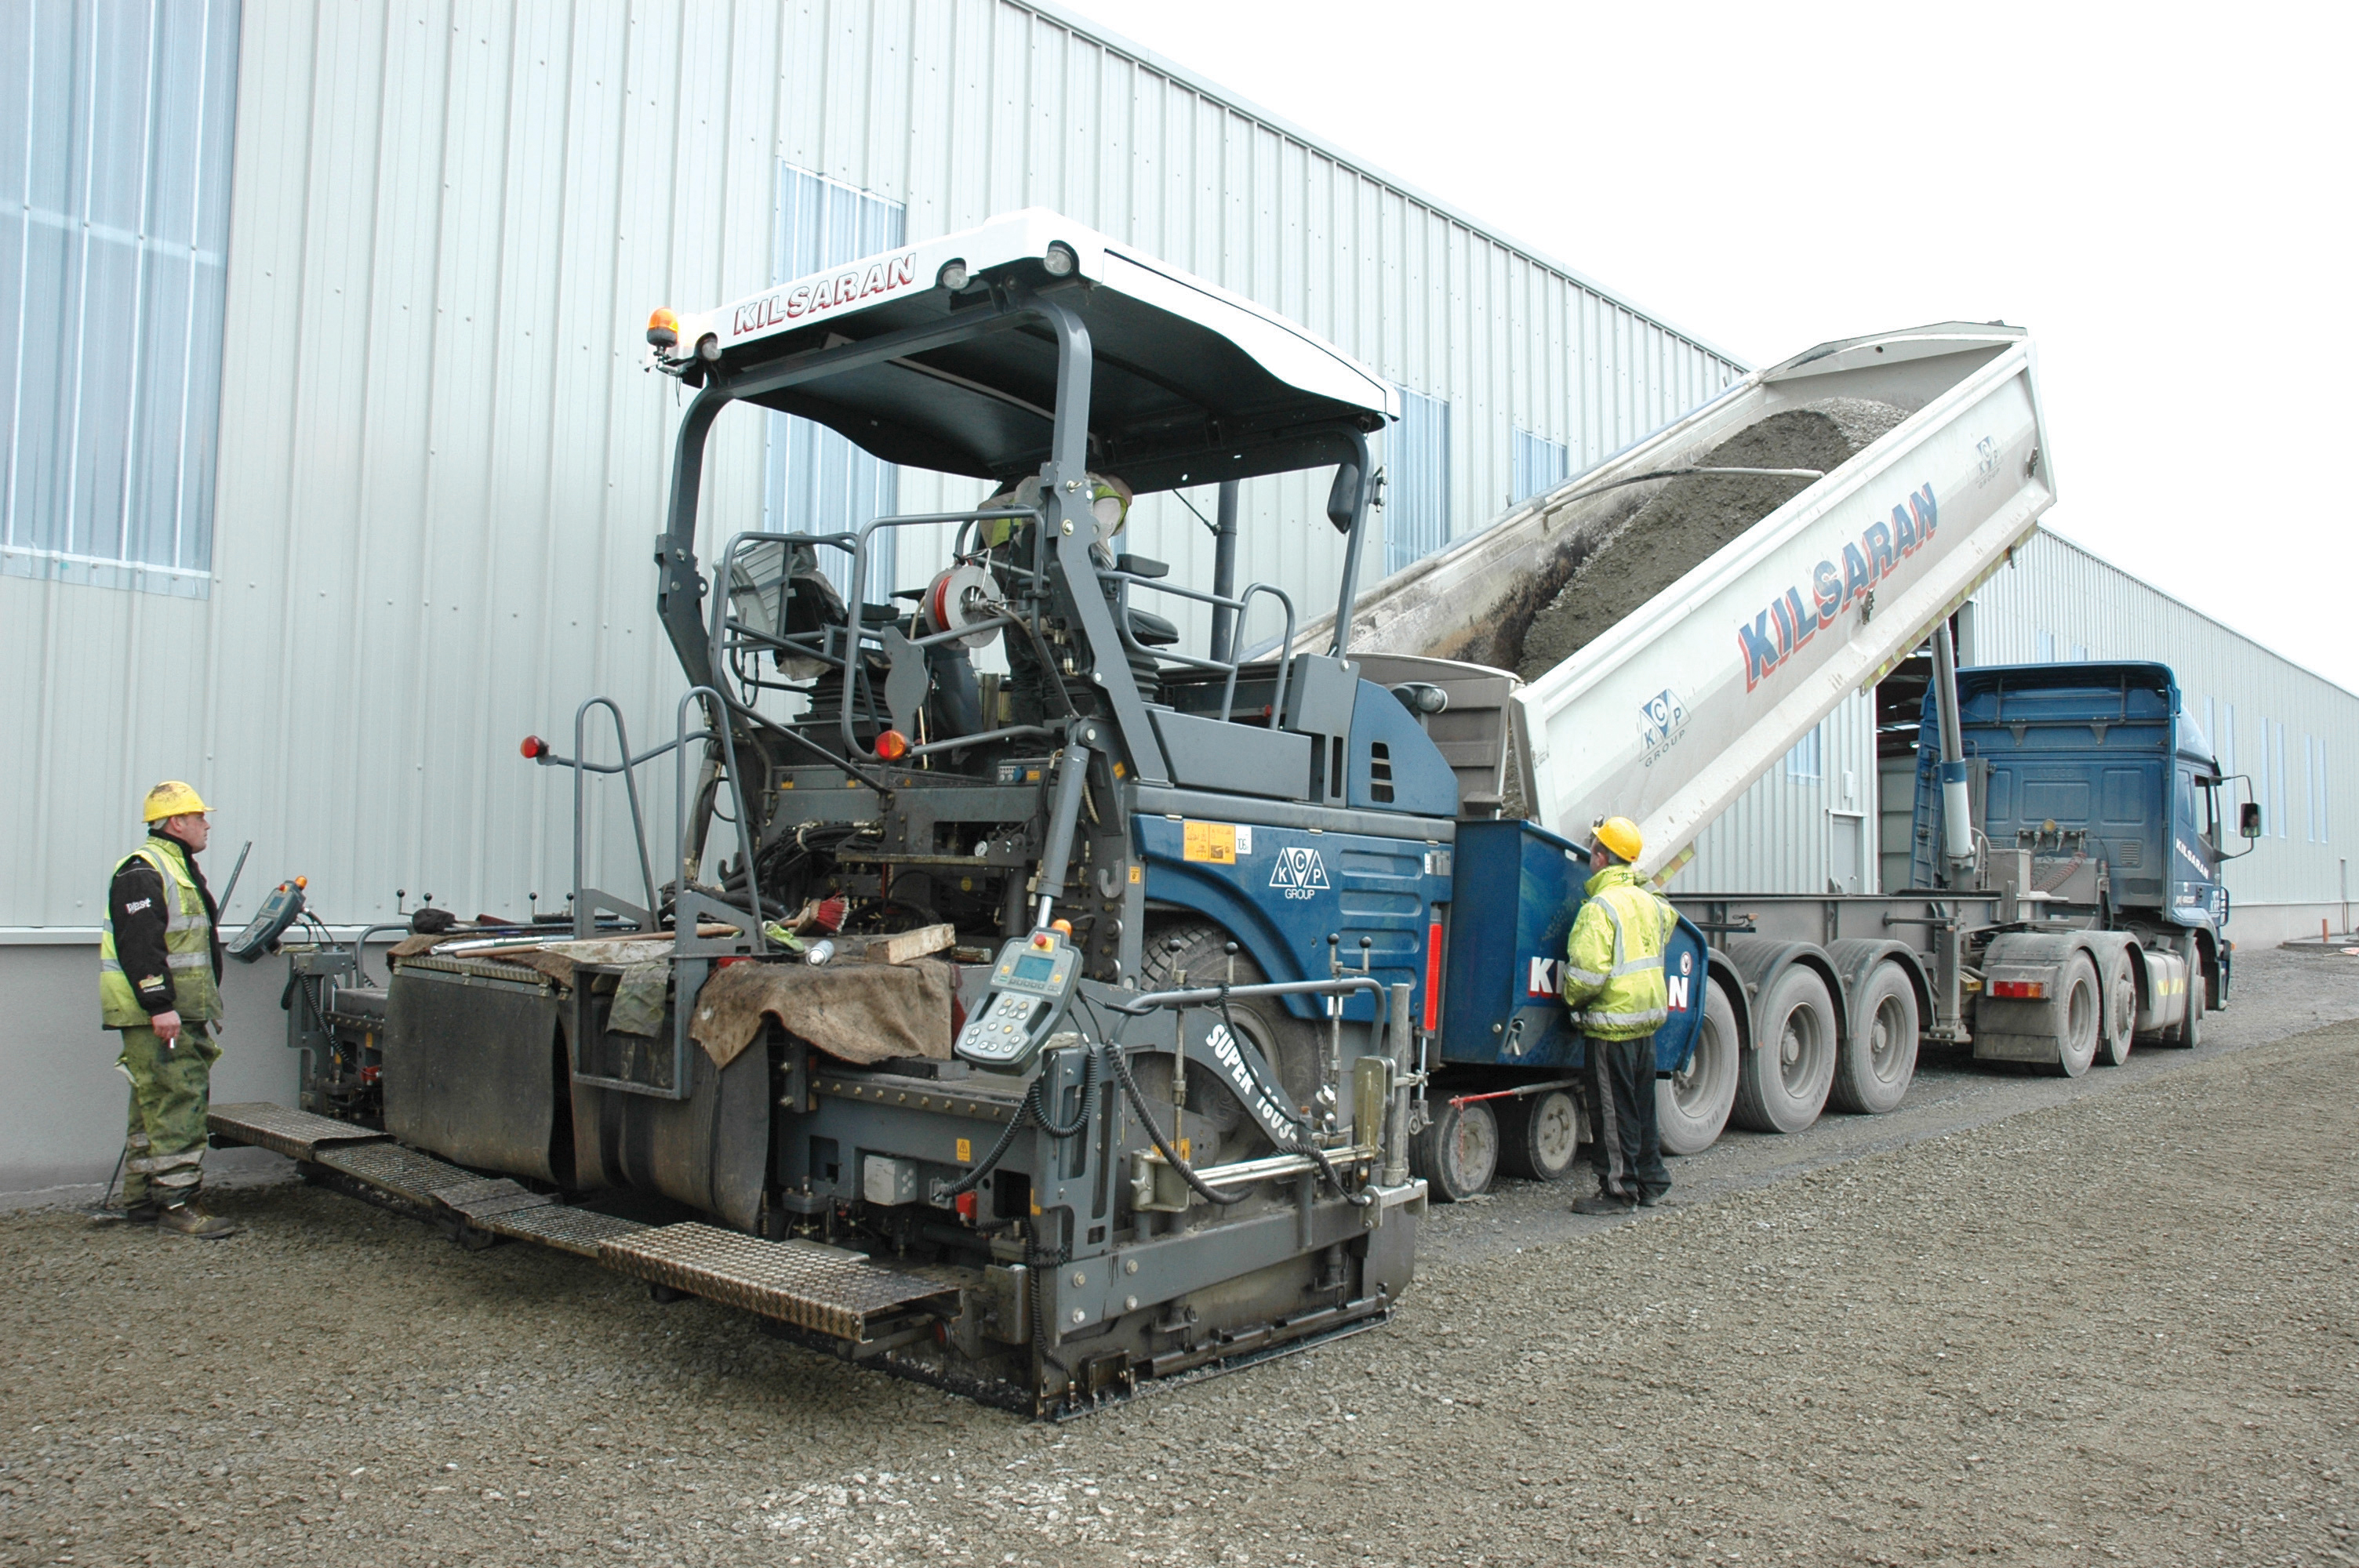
<point x="1618" y="834"/>
<point x="173" y="798"/>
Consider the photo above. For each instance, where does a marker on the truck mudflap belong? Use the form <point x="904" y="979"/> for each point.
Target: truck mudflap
<point x="2058" y="998"/>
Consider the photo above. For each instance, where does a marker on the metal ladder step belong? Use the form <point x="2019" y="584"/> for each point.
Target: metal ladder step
<point x="404" y="1173"/>
<point x="824" y="1289"/>
<point x="298" y="1134"/>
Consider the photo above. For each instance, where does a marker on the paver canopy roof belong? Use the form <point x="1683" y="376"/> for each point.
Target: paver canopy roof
<point x="1189" y="384"/>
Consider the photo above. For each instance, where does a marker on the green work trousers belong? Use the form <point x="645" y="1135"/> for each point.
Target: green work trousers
<point x="164" y="1145"/>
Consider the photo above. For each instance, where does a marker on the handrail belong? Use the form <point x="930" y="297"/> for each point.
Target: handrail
<point x="582" y="768"/>
<point x="746" y="845"/>
<point x="1341" y="985"/>
<point x="1228" y="692"/>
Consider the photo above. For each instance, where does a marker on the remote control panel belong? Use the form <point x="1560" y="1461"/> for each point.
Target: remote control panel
<point x="1027" y="994"/>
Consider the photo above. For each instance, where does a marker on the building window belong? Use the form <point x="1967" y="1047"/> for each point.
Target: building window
<point x="1540" y="465"/>
<point x="2079" y="653"/>
<point x="2043" y="647"/>
<point x="2277" y="779"/>
<point x="113" y="232"/>
<point x="815" y="481"/>
<point x="1807" y="759"/>
<point x="2313" y="756"/>
<point x="1416" y="504"/>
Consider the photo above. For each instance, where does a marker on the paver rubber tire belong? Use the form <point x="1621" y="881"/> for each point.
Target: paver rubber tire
<point x="1692" y="1106"/>
<point x="1782" y="1082"/>
<point x="1879" y="1061"/>
<point x="2119" y="1028"/>
<point x="1540" y="1135"/>
<point x="1293" y="1046"/>
<point x="1458" y="1153"/>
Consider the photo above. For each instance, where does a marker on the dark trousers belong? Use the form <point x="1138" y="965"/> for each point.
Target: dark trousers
<point x="1625" y="1147"/>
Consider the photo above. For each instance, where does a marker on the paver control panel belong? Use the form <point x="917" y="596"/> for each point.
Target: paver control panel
<point x="1027" y="994"/>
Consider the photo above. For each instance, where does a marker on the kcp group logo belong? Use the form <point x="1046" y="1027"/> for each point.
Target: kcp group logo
<point x="1299" y="873"/>
<point x="1662" y="718"/>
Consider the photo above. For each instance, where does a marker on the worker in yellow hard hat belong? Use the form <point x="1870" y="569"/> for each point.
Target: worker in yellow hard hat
<point x="1613" y="983"/>
<point x="160" y="963"/>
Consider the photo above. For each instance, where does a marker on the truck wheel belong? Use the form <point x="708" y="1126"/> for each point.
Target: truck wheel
<point x="1458" y="1153"/>
<point x="1539" y="1135"/>
<point x="1877" y="1063"/>
<point x="1691" y="1105"/>
<point x="1782" y="1082"/>
<point x="1290" y="1046"/>
<point x="2120" y="1026"/>
<point x="2078" y="1017"/>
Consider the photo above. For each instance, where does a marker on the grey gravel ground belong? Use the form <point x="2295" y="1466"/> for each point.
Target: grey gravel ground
<point x="2043" y="1323"/>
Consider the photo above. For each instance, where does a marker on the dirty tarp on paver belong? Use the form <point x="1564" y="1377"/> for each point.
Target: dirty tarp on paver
<point x="860" y="1012"/>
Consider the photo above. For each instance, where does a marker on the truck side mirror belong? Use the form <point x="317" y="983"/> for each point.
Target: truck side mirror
<point x="2248" y="820"/>
<point x="1343" y="497"/>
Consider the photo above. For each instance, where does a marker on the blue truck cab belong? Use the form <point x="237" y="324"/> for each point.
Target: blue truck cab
<point x="2112" y="791"/>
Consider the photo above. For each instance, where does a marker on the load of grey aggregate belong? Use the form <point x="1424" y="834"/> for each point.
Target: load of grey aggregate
<point x="1692" y="517"/>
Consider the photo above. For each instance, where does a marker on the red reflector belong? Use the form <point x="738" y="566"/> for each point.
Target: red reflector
<point x="892" y="745"/>
<point x="533" y="746"/>
<point x="2019" y="990"/>
<point x="1432" y="975"/>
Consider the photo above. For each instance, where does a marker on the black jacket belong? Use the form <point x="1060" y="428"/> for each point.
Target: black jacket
<point x="137" y="904"/>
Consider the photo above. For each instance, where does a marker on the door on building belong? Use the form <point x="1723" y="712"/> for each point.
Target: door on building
<point x="1846" y="851"/>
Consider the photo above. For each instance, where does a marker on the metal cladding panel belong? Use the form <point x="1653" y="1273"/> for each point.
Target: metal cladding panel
<point x="441" y="468"/>
<point x="1781" y="835"/>
<point x="2293" y="734"/>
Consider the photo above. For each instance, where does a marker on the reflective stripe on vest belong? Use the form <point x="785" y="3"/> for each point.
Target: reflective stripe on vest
<point x="188" y="945"/>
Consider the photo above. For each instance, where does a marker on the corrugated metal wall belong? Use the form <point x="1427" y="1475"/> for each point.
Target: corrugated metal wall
<point x="440" y="467"/>
<point x="2294" y="733"/>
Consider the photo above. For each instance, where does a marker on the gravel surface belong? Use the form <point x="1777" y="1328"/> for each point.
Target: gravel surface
<point x="2042" y="1323"/>
<point x="1690" y="518"/>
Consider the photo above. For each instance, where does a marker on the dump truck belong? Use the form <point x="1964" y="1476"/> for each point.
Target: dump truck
<point x="2069" y="823"/>
<point x="1020" y="1001"/>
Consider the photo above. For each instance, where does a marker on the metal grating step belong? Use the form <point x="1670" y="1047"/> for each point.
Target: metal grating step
<point x="491" y="1196"/>
<point x="298" y="1134"/>
<point x="576" y="1230"/>
<point x="403" y="1171"/>
<point x="824" y="1289"/>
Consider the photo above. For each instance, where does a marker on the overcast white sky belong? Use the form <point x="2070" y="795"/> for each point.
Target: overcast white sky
<point x="2164" y="195"/>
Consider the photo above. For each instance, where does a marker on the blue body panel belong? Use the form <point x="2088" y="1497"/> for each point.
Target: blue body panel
<point x="2101" y="749"/>
<point x="1286" y="889"/>
<point x="1517" y="887"/>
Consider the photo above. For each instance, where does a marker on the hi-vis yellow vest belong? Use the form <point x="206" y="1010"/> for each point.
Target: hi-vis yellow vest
<point x="1614" y="958"/>
<point x="188" y="945"/>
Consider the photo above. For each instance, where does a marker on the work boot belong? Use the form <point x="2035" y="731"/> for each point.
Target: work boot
<point x="1604" y="1203"/>
<point x="189" y="1219"/>
<point x="1650" y="1200"/>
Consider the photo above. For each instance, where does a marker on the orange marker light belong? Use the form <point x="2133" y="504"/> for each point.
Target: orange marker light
<point x="303" y="881"/>
<point x="663" y="329"/>
<point x="892" y="745"/>
<point x="1063" y="928"/>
